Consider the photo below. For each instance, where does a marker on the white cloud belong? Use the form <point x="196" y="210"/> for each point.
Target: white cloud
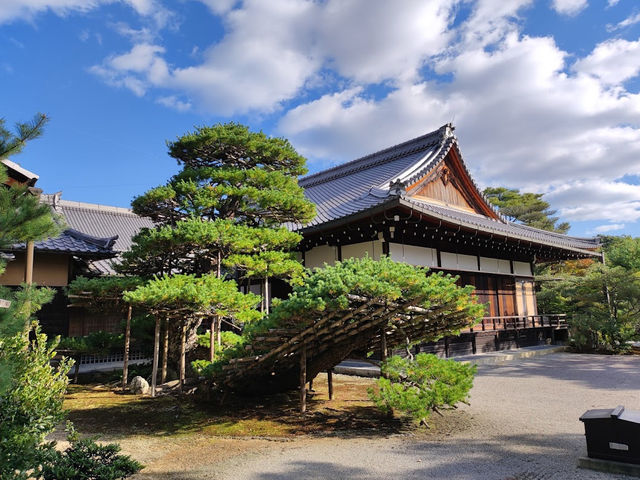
<point x="613" y="61"/>
<point x="11" y="10"/>
<point x="136" y="70"/>
<point x="631" y="20"/>
<point x="390" y="40"/>
<point x="569" y="7"/>
<point x="596" y="199"/>
<point x="219" y="7"/>
<point x="612" y="227"/>
<point x="174" y="102"/>
<point x="522" y="121"/>
<point x="612" y="3"/>
<point x="26" y="9"/>
<point x="529" y="114"/>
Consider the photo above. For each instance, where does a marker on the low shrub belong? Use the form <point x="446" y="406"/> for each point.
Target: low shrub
<point x="422" y="385"/>
<point x="85" y="459"/>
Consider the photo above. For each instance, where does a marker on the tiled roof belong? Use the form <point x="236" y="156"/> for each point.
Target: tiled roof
<point x="364" y="183"/>
<point x="379" y="180"/>
<point x="74" y="243"/>
<point x="100" y="220"/>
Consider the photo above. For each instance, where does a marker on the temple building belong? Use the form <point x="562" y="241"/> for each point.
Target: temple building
<point x="417" y="203"/>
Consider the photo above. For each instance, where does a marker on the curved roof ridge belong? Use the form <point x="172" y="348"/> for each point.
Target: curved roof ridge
<point x="377" y="158"/>
<point x="102" y="242"/>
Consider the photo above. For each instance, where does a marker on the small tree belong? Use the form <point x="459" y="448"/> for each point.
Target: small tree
<point x="422" y="385"/>
<point x="184" y="299"/>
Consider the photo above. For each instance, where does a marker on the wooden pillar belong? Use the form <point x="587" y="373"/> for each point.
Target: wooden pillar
<point x="127" y="340"/>
<point x="212" y="340"/>
<point x="330" y="383"/>
<point x="303" y="379"/>
<point x="28" y="272"/>
<point x="165" y="351"/>
<point x="183" y="343"/>
<point x="156" y="352"/>
<point x="383" y="345"/>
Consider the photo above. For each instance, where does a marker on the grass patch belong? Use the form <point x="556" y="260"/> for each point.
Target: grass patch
<point x="99" y="410"/>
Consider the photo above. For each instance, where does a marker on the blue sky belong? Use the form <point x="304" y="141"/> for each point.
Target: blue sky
<point x="544" y="94"/>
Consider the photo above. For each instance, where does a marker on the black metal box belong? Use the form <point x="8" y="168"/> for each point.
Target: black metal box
<point x="613" y="434"/>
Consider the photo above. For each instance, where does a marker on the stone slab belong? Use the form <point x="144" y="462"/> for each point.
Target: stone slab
<point x="609" y="466"/>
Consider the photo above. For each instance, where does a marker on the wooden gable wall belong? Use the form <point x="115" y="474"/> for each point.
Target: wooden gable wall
<point x="449" y="184"/>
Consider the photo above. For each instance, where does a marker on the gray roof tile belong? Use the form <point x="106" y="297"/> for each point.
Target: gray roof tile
<point x="368" y="183"/>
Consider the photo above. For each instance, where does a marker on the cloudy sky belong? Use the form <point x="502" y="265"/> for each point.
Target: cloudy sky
<point x="544" y="94"/>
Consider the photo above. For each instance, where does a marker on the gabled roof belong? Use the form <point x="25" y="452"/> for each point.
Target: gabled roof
<point x="73" y="242"/>
<point x="100" y="220"/>
<point x="20" y="174"/>
<point x="379" y="181"/>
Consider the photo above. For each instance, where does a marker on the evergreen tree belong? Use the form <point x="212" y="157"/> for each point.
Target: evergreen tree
<point x="527" y="208"/>
<point x="225" y="210"/>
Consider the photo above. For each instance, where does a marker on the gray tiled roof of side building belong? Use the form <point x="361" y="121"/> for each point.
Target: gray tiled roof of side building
<point x="367" y="183"/>
<point x="76" y="243"/>
<point x="100" y="220"/>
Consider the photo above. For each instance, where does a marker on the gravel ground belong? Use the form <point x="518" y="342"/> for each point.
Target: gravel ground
<point x="522" y="425"/>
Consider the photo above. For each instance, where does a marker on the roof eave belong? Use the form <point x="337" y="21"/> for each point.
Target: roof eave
<point x="497" y="232"/>
<point x="393" y="201"/>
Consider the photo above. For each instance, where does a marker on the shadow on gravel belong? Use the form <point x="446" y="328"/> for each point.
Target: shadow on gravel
<point x="517" y="457"/>
<point x="606" y="372"/>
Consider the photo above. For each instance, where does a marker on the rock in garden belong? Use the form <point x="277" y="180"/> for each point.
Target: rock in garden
<point x="139" y="386"/>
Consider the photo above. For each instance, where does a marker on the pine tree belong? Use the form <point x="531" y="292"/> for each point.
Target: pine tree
<point x="224" y="211"/>
<point x="528" y="208"/>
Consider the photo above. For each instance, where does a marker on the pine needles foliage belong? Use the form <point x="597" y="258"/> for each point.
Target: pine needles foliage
<point x="421" y="385"/>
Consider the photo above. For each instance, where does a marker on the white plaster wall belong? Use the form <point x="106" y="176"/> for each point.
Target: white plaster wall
<point x="504" y="266"/>
<point x="420" y="256"/>
<point x="522" y="268"/>
<point x="489" y="265"/>
<point x="467" y="262"/>
<point x="458" y="261"/>
<point x="449" y="260"/>
<point x="358" y="250"/>
<point x="318" y="256"/>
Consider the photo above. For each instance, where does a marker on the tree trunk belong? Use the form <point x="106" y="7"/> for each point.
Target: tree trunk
<point x="183" y="355"/>
<point x="165" y="351"/>
<point x="212" y="342"/>
<point x="266" y="295"/>
<point x="127" y="339"/>
<point x="303" y="379"/>
<point x="156" y="352"/>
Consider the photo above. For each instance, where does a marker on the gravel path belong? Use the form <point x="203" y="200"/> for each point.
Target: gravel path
<point x="522" y="425"/>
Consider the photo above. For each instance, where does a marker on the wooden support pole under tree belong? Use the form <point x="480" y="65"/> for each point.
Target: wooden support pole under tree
<point x="165" y="351"/>
<point x="330" y="383"/>
<point x="383" y="346"/>
<point x="212" y="340"/>
<point x="127" y="340"/>
<point x="156" y="352"/>
<point x="303" y="379"/>
<point x="219" y="330"/>
<point x="183" y="343"/>
<point x="266" y="295"/>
